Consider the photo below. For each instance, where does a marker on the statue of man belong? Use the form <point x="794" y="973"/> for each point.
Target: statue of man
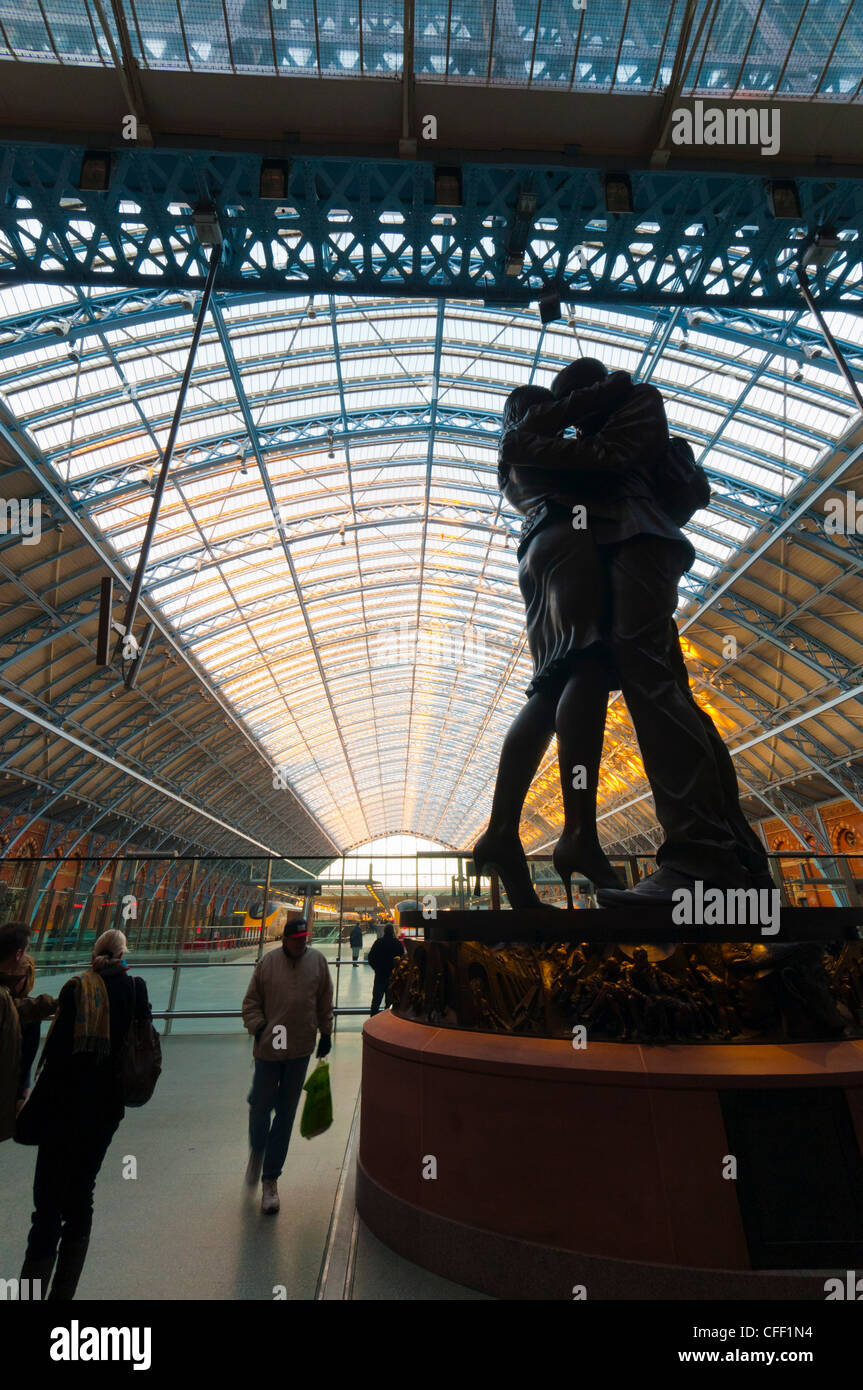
<point x="624" y="434"/>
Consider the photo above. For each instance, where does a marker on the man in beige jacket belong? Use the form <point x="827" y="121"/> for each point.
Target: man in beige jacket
<point x="289" y="1001"/>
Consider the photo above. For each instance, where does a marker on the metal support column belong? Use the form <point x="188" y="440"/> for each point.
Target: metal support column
<point x="184" y="931"/>
<point x="265" y="907"/>
<point x="803" y="282"/>
<point x="158" y="492"/>
<point x="341" y="929"/>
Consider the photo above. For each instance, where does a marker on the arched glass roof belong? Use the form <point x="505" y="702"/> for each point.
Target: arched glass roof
<point x="806" y="48"/>
<point x="332" y="546"/>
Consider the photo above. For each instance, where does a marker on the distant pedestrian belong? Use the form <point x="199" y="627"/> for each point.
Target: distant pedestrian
<point x="79" y="1100"/>
<point x="356" y="940"/>
<point x="289" y="1000"/>
<point x="382" y="957"/>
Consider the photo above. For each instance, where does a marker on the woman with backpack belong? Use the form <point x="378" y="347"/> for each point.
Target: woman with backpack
<point x="77" y="1103"/>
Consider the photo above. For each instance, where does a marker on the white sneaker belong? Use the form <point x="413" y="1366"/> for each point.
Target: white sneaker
<point x="270" y="1198"/>
<point x="253" y="1168"/>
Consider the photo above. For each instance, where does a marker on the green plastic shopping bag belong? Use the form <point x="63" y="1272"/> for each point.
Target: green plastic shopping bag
<point x="318" y="1109"/>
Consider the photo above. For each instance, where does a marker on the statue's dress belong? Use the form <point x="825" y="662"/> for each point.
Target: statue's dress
<point x="564" y="555"/>
<point x="562" y="579"/>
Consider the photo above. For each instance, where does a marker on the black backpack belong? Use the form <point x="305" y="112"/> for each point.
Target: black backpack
<point x="682" y="486"/>
<point x="139" y="1063"/>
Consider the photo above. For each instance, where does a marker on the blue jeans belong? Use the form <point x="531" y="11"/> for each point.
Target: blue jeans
<point x="275" y="1086"/>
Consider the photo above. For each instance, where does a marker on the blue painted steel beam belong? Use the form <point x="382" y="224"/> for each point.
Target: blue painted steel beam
<point x="120" y="481"/>
<point x="112" y="310"/>
<point x="251" y="428"/>
<point x="53" y="490"/>
<point x="371" y="226"/>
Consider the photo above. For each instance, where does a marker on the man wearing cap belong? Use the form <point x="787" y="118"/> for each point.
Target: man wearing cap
<point x="289" y="1001"/>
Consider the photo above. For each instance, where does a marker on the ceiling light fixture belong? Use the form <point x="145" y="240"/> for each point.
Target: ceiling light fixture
<point x="821" y="248"/>
<point x="95" y="175"/>
<point x="783" y="198"/>
<point x="447" y="186"/>
<point x="618" y="193"/>
<point x="519" y="234"/>
<point x="206" y="223"/>
<point x="273" y="184"/>
<point x="549" y="308"/>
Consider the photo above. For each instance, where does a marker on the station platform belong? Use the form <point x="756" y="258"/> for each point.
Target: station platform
<point x="187" y="1228"/>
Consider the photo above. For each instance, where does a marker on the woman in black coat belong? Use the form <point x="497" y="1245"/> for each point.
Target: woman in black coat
<point x="79" y="1105"/>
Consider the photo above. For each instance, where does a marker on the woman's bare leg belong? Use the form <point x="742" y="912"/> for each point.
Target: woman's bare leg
<point x="523" y="749"/>
<point x="580" y="726"/>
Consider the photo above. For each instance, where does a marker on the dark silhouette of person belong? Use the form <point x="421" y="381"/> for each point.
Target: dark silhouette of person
<point x="623" y="433"/>
<point x="382" y="957"/>
<point x="567" y="609"/>
<point x="81" y="1105"/>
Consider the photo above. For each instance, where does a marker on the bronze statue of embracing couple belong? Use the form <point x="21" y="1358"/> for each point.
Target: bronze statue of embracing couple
<point x="600" y="558"/>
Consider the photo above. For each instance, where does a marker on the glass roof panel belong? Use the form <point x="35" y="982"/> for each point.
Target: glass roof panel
<point x="808" y="48"/>
<point x="372" y="634"/>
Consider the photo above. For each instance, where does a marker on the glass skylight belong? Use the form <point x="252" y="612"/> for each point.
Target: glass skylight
<point x="371" y="633"/>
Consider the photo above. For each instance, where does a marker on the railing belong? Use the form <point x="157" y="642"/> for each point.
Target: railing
<point x="185" y="915"/>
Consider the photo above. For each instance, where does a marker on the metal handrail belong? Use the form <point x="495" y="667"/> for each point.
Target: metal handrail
<point x="355" y="1009"/>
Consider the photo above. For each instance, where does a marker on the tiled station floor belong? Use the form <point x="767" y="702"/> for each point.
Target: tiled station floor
<point x="186" y="1227"/>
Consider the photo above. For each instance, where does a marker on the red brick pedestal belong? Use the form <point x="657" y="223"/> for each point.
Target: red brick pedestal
<point x="558" y="1167"/>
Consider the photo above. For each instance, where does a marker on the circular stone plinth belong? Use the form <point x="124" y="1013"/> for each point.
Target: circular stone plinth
<point x="527" y="1168"/>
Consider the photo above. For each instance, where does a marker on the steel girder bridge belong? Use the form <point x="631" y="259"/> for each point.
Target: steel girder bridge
<point x="390" y="227"/>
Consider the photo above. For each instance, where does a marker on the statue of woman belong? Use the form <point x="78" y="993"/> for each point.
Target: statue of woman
<point x="599" y="563"/>
<point x="566" y="595"/>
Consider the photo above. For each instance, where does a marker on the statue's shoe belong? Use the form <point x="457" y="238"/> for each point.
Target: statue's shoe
<point x="658" y="890"/>
<point x="506" y="856"/>
<point x="569" y="856"/>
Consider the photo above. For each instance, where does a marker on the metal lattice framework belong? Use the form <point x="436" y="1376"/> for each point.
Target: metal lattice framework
<point x="373" y="227"/>
<point x="333" y="559"/>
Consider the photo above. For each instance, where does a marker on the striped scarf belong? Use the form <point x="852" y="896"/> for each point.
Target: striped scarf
<point x="92" y="1015"/>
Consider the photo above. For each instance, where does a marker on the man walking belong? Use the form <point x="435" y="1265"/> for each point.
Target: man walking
<point x="289" y="1001"/>
<point x="382" y="957"/>
<point x="356" y="942"/>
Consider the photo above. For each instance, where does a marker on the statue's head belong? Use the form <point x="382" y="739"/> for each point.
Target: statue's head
<point x="580" y="374"/>
<point x="584" y="371"/>
<point x="519" y="402"/>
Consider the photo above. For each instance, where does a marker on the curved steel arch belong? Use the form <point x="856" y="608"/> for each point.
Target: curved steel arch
<point x="405" y="522"/>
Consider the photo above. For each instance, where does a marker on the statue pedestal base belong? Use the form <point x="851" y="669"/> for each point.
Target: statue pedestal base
<point x="604" y="1167"/>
